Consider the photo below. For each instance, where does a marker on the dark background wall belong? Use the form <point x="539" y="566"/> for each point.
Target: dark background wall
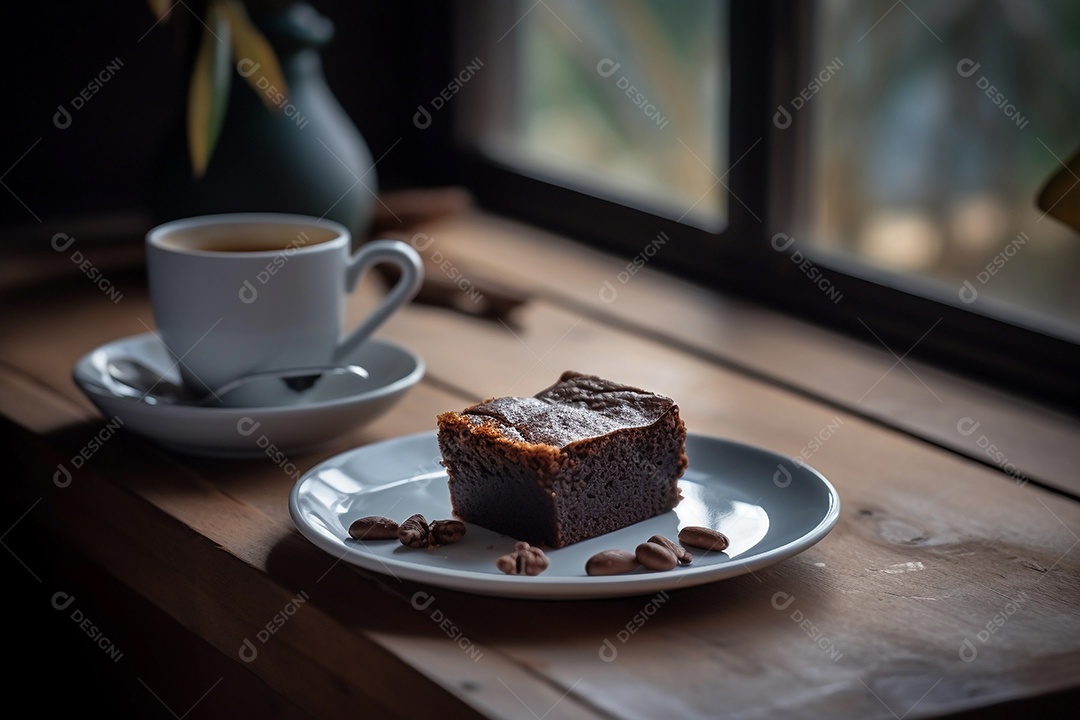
<point x="379" y="65"/>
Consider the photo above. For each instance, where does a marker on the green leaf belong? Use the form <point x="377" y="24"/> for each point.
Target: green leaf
<point x="253" y="50"/>
<point x="208" y="94"/>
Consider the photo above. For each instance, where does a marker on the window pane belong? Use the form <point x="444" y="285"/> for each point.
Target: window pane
<point x="625" y="100"/>
<point x="935" y="127"/>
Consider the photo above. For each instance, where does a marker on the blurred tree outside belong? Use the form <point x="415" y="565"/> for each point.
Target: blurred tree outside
<point x="933" y="142"/>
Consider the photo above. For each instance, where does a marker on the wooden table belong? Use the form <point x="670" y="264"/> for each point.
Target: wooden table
<point x="949" y="586"/>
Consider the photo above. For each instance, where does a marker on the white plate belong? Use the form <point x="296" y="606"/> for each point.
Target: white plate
<point x="311" y="419"/>
<point x="769" y="509"/>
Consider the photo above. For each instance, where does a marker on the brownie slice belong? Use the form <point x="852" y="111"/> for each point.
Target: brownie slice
<point x="584" y="457"/>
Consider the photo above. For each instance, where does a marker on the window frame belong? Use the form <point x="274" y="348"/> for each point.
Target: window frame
<point x="770" y="51"/>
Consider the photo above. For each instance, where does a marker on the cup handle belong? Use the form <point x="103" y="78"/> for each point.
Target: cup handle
<point x="405" y="289"/>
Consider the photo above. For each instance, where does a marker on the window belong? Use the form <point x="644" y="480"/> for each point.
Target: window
<point x="894" y="149"/>
<point x="622" y="100"/>
<point x="934" y="128"/>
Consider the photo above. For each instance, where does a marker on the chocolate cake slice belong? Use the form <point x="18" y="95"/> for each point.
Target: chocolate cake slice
<point x="584" y="457"/>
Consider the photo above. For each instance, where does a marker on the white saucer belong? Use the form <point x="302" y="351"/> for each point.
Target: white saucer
<point x="301" y="423"/>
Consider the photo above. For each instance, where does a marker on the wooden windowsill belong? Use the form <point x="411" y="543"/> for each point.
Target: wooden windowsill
<point x="936" y="538"/>
<point x="867" y="379"/>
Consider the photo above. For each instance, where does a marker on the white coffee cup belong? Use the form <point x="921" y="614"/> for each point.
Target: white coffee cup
<point x="250" y="292"/>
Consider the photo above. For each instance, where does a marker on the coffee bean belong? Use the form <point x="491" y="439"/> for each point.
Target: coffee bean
<point x="655" y="557"/>
<point x="414" y="532"/>
<point x="611" y="562"/>
<point x="704" y="538"/>
<point x="373" y="527"/>
<point x="525" y="560"/>
<point x="683" y="555"/>
<point x="444" y="532"/>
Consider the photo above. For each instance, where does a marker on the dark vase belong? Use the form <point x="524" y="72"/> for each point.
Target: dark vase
<point x="308" y="157"/>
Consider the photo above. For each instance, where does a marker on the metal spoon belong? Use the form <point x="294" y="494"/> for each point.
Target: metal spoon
<point x="134" y="379"/>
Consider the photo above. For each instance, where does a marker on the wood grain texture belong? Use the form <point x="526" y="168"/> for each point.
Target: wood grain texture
<point x="946" y="586"/>
<point x="1017" y="437"/>
<point x="930" y="547"/>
